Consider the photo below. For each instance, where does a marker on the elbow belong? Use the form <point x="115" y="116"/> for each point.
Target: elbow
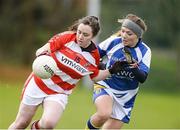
<point x="94" y="80"/>
<point x="142" y="79"/>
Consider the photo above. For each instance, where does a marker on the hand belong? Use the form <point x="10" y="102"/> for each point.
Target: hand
<point x="134" y="65"/>
<point x="118" y="66"/>
<point x="102" y="66"/>
<point x="43" y="53"/>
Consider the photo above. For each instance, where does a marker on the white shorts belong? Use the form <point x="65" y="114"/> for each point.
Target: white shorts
<point x="123" y="101"/>
<point x="33" y="95"/>
<point x="59" y="98"/>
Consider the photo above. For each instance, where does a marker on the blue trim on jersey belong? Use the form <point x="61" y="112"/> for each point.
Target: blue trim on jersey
<point x="142" y="48"/>
<point x="111" y="45"/>
<point x="101" y="52"/>
<point x="114" y="43"/>
<point x="143" y="67"/>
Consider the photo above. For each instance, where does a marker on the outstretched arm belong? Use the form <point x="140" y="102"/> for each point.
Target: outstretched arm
<point x="115" y="68"/>
<point x="103" y="74"/>
<point x="44" y="49"/>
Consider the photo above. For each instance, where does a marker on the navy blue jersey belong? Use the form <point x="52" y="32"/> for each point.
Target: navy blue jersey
<point x="113" y="49"/>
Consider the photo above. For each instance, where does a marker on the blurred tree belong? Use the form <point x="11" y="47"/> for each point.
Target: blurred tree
<point x="169" y="27"/>
<point x="160" y="16"/>
<point x="27" y="25"/>
<point x="28" y="30"/>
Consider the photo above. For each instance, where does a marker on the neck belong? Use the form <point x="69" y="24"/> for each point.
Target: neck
<point x="87" y="45"/>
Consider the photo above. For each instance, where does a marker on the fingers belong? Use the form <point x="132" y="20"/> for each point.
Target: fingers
<point x="134" y="65"/>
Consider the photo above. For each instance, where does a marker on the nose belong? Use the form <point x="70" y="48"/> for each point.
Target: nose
<point x="81" y="36"/>
<point x="124" y="35"/>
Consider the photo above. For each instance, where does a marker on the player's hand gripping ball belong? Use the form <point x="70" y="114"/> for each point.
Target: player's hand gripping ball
<point x="44" y="66"/>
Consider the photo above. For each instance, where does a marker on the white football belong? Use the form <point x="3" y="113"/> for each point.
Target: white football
<point x="44" y="66"/>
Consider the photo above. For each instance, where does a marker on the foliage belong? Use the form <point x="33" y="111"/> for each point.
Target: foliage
<point x="162" y="20"/>
<point x="27" y="25"/>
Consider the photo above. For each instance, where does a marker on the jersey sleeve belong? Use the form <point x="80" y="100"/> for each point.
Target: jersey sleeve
<point x="95" y="73"/>
<point x="59" y="40"/>
<point x="95" y="69"/>
<point x="146" y="61"/>
<point x="103" y="46"/>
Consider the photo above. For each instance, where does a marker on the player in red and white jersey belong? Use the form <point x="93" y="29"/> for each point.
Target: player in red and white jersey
<point x="73" y="62"/>
<point x="76" y="56"/>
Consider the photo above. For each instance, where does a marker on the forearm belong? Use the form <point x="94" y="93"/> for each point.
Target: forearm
<point x="44" y="48"/>
<point x="103" y="74"/>
<point x="141" y="76"/>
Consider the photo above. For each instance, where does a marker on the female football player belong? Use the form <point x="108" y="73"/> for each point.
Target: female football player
<point x="76" y="56"/>
<point x="114" y="97"/>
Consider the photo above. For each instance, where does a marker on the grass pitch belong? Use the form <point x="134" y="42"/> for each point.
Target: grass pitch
<point x="151" y="111"/>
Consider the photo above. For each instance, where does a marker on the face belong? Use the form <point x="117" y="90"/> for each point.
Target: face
<point x="129" y="38"/>
<point x="84" y="35"/>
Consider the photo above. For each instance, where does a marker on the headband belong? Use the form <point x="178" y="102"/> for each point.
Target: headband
<point x="133" y="26"/>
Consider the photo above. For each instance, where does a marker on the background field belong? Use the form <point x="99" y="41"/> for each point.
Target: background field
<point x="157" y="105"/>
<point x="152" y="110"/>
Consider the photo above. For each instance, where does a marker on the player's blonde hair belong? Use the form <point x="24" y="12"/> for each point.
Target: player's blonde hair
<point x="134" y="18"/>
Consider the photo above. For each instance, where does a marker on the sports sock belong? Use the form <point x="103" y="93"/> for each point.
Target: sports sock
<point x="90" y="126"/>
<point x="35" y="125"/>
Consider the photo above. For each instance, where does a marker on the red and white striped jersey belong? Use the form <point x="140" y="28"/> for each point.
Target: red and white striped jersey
<point x="73" y="63"/>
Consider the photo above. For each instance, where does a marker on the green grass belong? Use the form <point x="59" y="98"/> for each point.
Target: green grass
<point x="152" y="110"/>
<point x="156" y="111"/>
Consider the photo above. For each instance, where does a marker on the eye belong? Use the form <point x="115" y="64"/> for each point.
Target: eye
<point x="78" y="32"/>
<point x="86" y="35"/>
<point x="129" y="34"/>
<point x="122" y="31"/>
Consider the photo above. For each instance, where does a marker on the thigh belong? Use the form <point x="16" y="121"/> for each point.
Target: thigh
<point x="25" y="113"/>
<point x="112" y="124"/>
<point x="104" y="104"/>
<point x="51" y="114"/>
<point x="53" y="109"/>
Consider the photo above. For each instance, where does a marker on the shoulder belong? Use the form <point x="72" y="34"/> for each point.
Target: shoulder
<point x="66" y="36"/>
<point x="143" y="46"/>
<point x="112" y="38"/>
<point x="110" y="42"/>
<point x="67" y="33"/>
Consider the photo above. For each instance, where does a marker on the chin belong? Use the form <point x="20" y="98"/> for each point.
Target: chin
<point x="125" y="44"/>
<point x="79" y="43"/>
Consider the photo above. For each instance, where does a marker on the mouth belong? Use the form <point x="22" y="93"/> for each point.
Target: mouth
<point x="79" y="41"/>
<point x="125" y="41"/>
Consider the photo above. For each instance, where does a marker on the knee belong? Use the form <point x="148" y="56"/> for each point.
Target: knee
<point x="48" y="124"/>
<point x="103" y="116"/>
<point x="19" y="124"/>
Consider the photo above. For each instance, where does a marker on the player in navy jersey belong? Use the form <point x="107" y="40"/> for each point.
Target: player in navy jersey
<point x="114" y="97"/>
<point x="76" y="55"/>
